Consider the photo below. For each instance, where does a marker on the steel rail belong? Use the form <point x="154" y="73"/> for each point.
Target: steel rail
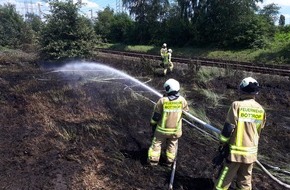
<point x="282" y="70"/>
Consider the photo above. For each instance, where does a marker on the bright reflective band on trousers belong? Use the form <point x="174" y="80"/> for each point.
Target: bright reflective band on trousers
<point x="243" y="173"/>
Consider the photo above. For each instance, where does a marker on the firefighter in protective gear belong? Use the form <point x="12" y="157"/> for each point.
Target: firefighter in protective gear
<point x="163" y="52"/>
<point x="244" y="122"/>
<point x="167" y="123"/>
<point x="169" y="62"/>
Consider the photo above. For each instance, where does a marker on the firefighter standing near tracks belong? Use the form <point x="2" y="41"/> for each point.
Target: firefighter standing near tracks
<point x="167" y="63"/>
<point x="166" y="123"/>
<point x="241" y="131"/>
<point x="163" y="51"/>
<point x="170" y="64"/>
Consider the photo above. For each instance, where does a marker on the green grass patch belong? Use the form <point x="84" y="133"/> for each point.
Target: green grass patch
<point x="277" y="51"/>
<point x="212" y="98"/>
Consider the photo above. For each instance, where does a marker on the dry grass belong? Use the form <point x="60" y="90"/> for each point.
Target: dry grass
<point x="85" y="134"/>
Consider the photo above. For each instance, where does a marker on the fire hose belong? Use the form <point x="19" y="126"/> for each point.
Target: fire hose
<point x="173" y="171"/>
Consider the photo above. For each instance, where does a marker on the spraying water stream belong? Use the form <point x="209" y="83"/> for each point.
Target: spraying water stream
<point x="99" y="72"/>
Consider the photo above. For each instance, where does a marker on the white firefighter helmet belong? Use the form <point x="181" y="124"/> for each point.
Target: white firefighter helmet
<point x="164" y="45"/>
<point x="249" y="85"/>
<point x="170" y="50"/>
<point x="171" y="85"/>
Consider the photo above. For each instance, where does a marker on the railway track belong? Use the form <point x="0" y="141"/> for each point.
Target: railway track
<point x="282" y="70"/>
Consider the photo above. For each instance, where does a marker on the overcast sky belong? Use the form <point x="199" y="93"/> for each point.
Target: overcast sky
<point x="92" y="6"/>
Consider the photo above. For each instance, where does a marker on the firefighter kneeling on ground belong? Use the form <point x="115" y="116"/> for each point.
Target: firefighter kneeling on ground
<point x="166" y="123"/>
<point x="240" y="136"/>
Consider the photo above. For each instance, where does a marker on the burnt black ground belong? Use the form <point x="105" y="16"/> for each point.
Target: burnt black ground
<point x="60" y="133"/>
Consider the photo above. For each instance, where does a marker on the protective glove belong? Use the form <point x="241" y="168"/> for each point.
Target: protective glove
<point x="223" y="152"/>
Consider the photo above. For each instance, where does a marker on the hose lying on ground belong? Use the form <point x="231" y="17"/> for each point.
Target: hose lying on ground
<point x="277" y="169"/>
<point x="271" y="176"/>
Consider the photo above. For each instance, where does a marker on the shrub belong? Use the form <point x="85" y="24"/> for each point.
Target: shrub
<point x="13" y="30"/>
<point x="67" y="34"/>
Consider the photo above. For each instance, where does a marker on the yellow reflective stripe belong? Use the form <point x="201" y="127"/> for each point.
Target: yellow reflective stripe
<point x="152" y="153"/>
<point x="168" y="130"/>
<point x="164" y="118"/>
<point x="243" y="150"/>
<point x="170" y="155"/>
<point x="260" y="124"/>
<point x="242" y="153"/>
<point x="224" y="139"/>
<point x="240" y="133"/>
<point x="222" y="178"/>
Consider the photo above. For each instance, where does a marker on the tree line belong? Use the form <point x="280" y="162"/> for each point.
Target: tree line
<point x="65" y="33"/>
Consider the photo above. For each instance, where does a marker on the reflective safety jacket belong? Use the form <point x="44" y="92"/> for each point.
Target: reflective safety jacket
<point x="166" y="59"/>
<point x="170" y="111"/>
<point x="163" y="51"/>
<point x="248" y="118"/>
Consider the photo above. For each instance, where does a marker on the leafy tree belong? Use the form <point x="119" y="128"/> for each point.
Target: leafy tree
<point x="120" y="28"/>
<point x="282" y="20"/>
<point x="191" y="9"/>
<point x="66" y="33"/>
<point x="226" y="23"/>
<point x="270" y="12"/>
<point x="104" y="22"/>
<point x="13" y="30"/>
<point x="253" y="33"/>
<point x="34" y="21"/>
<point x="184" y="9"/>
<point x="148" y="15"/>
<point x="180" y="32"/>
<point x="150" y="10"/>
